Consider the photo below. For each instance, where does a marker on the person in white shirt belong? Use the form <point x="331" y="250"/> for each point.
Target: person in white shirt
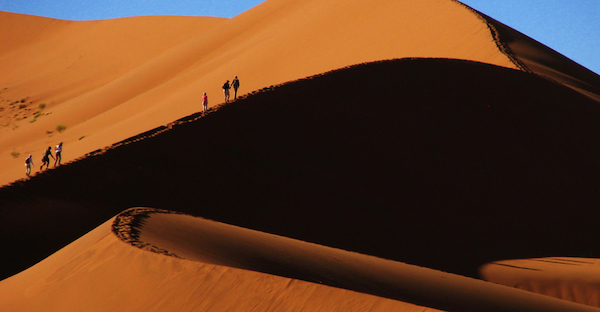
<point x="58" y="154"/>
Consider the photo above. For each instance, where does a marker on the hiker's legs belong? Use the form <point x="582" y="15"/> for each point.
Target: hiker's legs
<point x="235" y="93"/>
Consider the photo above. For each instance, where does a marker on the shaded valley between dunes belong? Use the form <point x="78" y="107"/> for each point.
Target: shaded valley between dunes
<point x="441" y="163"/>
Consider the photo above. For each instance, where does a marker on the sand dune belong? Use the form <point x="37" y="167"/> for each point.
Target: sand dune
<point x="572" y="279"/>
<point x="471" y="143"/>
<point x="109" y="80"/>
<point x="429" y="161"/>
<point x="535" y="57"/>
<point x="99" y="272"/>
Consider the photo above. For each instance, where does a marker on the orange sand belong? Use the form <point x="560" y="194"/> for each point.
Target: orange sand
<point x="113" y="79"/>
<point x="99" y="272"/>
<point x="109" y="80"/>
<point x="572" y="279"/>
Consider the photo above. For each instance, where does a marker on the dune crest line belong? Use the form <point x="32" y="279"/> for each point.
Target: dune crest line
<point x="127" y="226"/>
<point x="505" y="49"/>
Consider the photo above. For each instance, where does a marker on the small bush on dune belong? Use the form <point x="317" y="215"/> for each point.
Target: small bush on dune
<point x="61" y="128"/>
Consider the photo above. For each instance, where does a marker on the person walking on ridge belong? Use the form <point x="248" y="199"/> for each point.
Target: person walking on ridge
<point x="28" y="164"/>
<point x="226" y="88"/>
<point x="204" y="103"/>
<point x="58" y="153"/>
<point x="46" y="158"/>
<point x="235" y="84"/>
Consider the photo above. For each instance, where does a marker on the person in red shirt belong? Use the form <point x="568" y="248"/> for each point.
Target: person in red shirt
<point x="204" y="103"/>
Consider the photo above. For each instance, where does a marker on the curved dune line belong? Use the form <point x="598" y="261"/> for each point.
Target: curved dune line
<point x="127" y="228"/>
<point x="497" y="39"/>
<point x="534" y="57"/>
<point x="98" y="272"/>
<point x="212" y="242"/>
<point x="267" y="116"/>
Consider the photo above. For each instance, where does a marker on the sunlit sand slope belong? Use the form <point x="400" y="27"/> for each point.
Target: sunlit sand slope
<point x="474" y="161"/>
<point x="109" y="80"/>
<point x="67" y="73"/>
<point x="573" y="279"/>
<point x="99" y="272"/>
<point x="189" y="264"/>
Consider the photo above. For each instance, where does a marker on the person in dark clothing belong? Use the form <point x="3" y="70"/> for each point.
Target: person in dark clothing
<point x="226" y="88"/>
<point x="236" y="85"/>
<point x="46" y="158"/>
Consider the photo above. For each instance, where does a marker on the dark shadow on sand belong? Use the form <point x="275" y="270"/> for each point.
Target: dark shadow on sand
<point x="446" y="164"/>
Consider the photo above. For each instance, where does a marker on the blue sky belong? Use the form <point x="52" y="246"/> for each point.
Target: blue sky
<point x="571" y="27"/>
<point x="104" y="9"/>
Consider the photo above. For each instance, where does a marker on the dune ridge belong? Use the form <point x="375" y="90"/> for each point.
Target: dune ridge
<point x="502" y="46"/>
<point x="207" y="241"/>
<point x="264" y="163"/>
<point x="99" y="272"/>
<point x="127" y="226"/>
<point x="160" y="76"/>
<point x="365" y="132"/>
<point x="167" y="282"/>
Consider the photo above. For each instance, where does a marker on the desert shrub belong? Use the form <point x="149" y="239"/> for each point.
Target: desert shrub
<point x="61" y="128"/>
<point x="42" y="106"/>
<point x="15" y="154"/>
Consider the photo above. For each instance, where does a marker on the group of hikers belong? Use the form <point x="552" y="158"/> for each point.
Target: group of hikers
<point x="45" y="158"/>
<point x="235" y="84"/>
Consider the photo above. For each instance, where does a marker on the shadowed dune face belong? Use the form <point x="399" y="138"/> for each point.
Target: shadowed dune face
<point x="442" y="163"/>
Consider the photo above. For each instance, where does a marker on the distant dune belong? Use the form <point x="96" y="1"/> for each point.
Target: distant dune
<point x="422" y="134"/>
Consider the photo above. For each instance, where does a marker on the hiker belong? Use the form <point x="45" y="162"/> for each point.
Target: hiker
<point x="46" y="158"/>
<point x="28" y="164"/>
<point x="58" y="153"/>
<point x="204" y="103"/>
<point x="235" y="84"/>
<point x="226" y="88"/>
